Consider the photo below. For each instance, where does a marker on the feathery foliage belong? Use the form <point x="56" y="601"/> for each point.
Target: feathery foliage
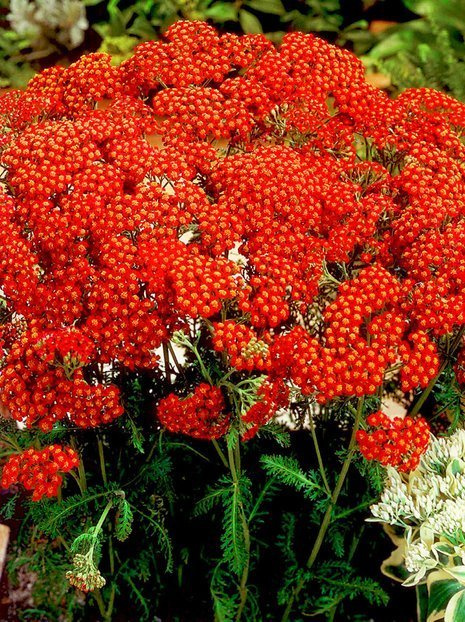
<point x="288" y="471"/>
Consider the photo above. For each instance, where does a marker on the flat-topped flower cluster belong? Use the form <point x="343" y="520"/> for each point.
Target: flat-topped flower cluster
<point x="307" y="226"/>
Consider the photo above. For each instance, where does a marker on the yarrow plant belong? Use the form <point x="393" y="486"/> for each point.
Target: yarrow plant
<point x="208" y="238"/>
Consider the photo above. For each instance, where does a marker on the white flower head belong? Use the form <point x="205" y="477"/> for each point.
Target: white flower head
<point x="44" y="22"/>
<point x="429" y="504"/>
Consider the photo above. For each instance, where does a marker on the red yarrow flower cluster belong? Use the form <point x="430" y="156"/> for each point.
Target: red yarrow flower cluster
<point x="202" y="414"/>
<point x="271" y="397"/>
<point x="325" y="244"/>
<point x="395" y="442"/>
<point x="40" y="470"/>
<point x="68" y="346"/>
<point x="245" y="350"/>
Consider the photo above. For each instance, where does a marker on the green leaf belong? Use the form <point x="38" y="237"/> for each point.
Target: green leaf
<point x="83" y="542"/>
<point x="446" y="12"/>
<point x="395" y="41"/>
<point x="249" y="23"/>
<point x="7" y="510"/>
<point x="458" y="572"/>
<point x="455" y="610"/>
<point x="137" y="437"/>
<point x="271" y="7"/>
<point x="233" y="544"/>
<point x="222" y="12"/>
<point x="394" y="566"/>
<point x="287" y="470"/>
<point x="50" y="516"/>
<point x="213" y="497"/>
<point x="161" y="535"/>
<point x="142" y="28"/>
<point x="124" y="518"/>
<point x="456" y="466"/>
<point x="422" y="602"/>
<point x="420" y="7"/>
<point x="440" y="593"/>
<point x="225" y="599"/>
<point x="232" y="437"/>
<point x="277" y="432"/>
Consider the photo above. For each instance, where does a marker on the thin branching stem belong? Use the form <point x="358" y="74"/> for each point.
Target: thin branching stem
<point x="234" y="465"/>
<point x="101" y="456"/>
<point x="328" y="514"/>
<point x="318" y="453"/>
<point x="220" y="452"/>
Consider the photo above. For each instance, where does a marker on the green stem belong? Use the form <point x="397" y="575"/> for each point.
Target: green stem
<point x="99" y="600"/>
<point x="220" y="452"/>
<point x="245" y="573"/>
<point x="174" y="357"/>
<point x="318" y="454"/>
<point x="81" y="469"/>
<point x="234" y="465"/>
<point x="237" y="456"/>
<point x="102" y="518"/>
<point x="327" y="517"/>
<point x="101" y="456"/>
<point x="355" y="542"/>
<point x="98" y="527"/>
<point x="97" y="594"/>
<point x="183" y="340"/>
<point x="111" y="556"/>
<point x="111" y="604"/>
<point x="106" y="612"/>
<point x="166" y="360"/>
<point x="358" y="507"/>
<point x="77" y="480"/>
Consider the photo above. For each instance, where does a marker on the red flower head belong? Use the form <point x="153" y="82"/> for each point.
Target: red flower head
<point x="200" y="415"/>
<point x="40" y="470"/>
<point x="395" y="442"/>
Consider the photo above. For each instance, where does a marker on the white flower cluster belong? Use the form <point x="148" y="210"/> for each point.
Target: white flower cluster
<point x="427" y="506"/>
<point x="85" y="575"/>
<point x="43" y="22"/>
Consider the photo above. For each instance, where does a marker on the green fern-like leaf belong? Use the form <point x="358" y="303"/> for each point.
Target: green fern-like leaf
<point x="83" y="542"/>
<point x="338" y="581"/>
<point x="287" y="470"/>
<point x="336" y="540"/>
<point x="257" y="514"/>
<point x="430" y="54"/>
<point x="134" y="572"/>
<point x="7" y="510"/>
<point x="276" y="432"/>
<point x="214" y="496"/>
<point x="449" y="399"/>
<point x="225" y="597"/>
<point x="124" y="518"/>
<point x="156" y="527"/>
<point x="233" y="543"/>
<point x="50" y="516"/>
<point x="158" y="471"/>
<point x="285" y="540"/>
